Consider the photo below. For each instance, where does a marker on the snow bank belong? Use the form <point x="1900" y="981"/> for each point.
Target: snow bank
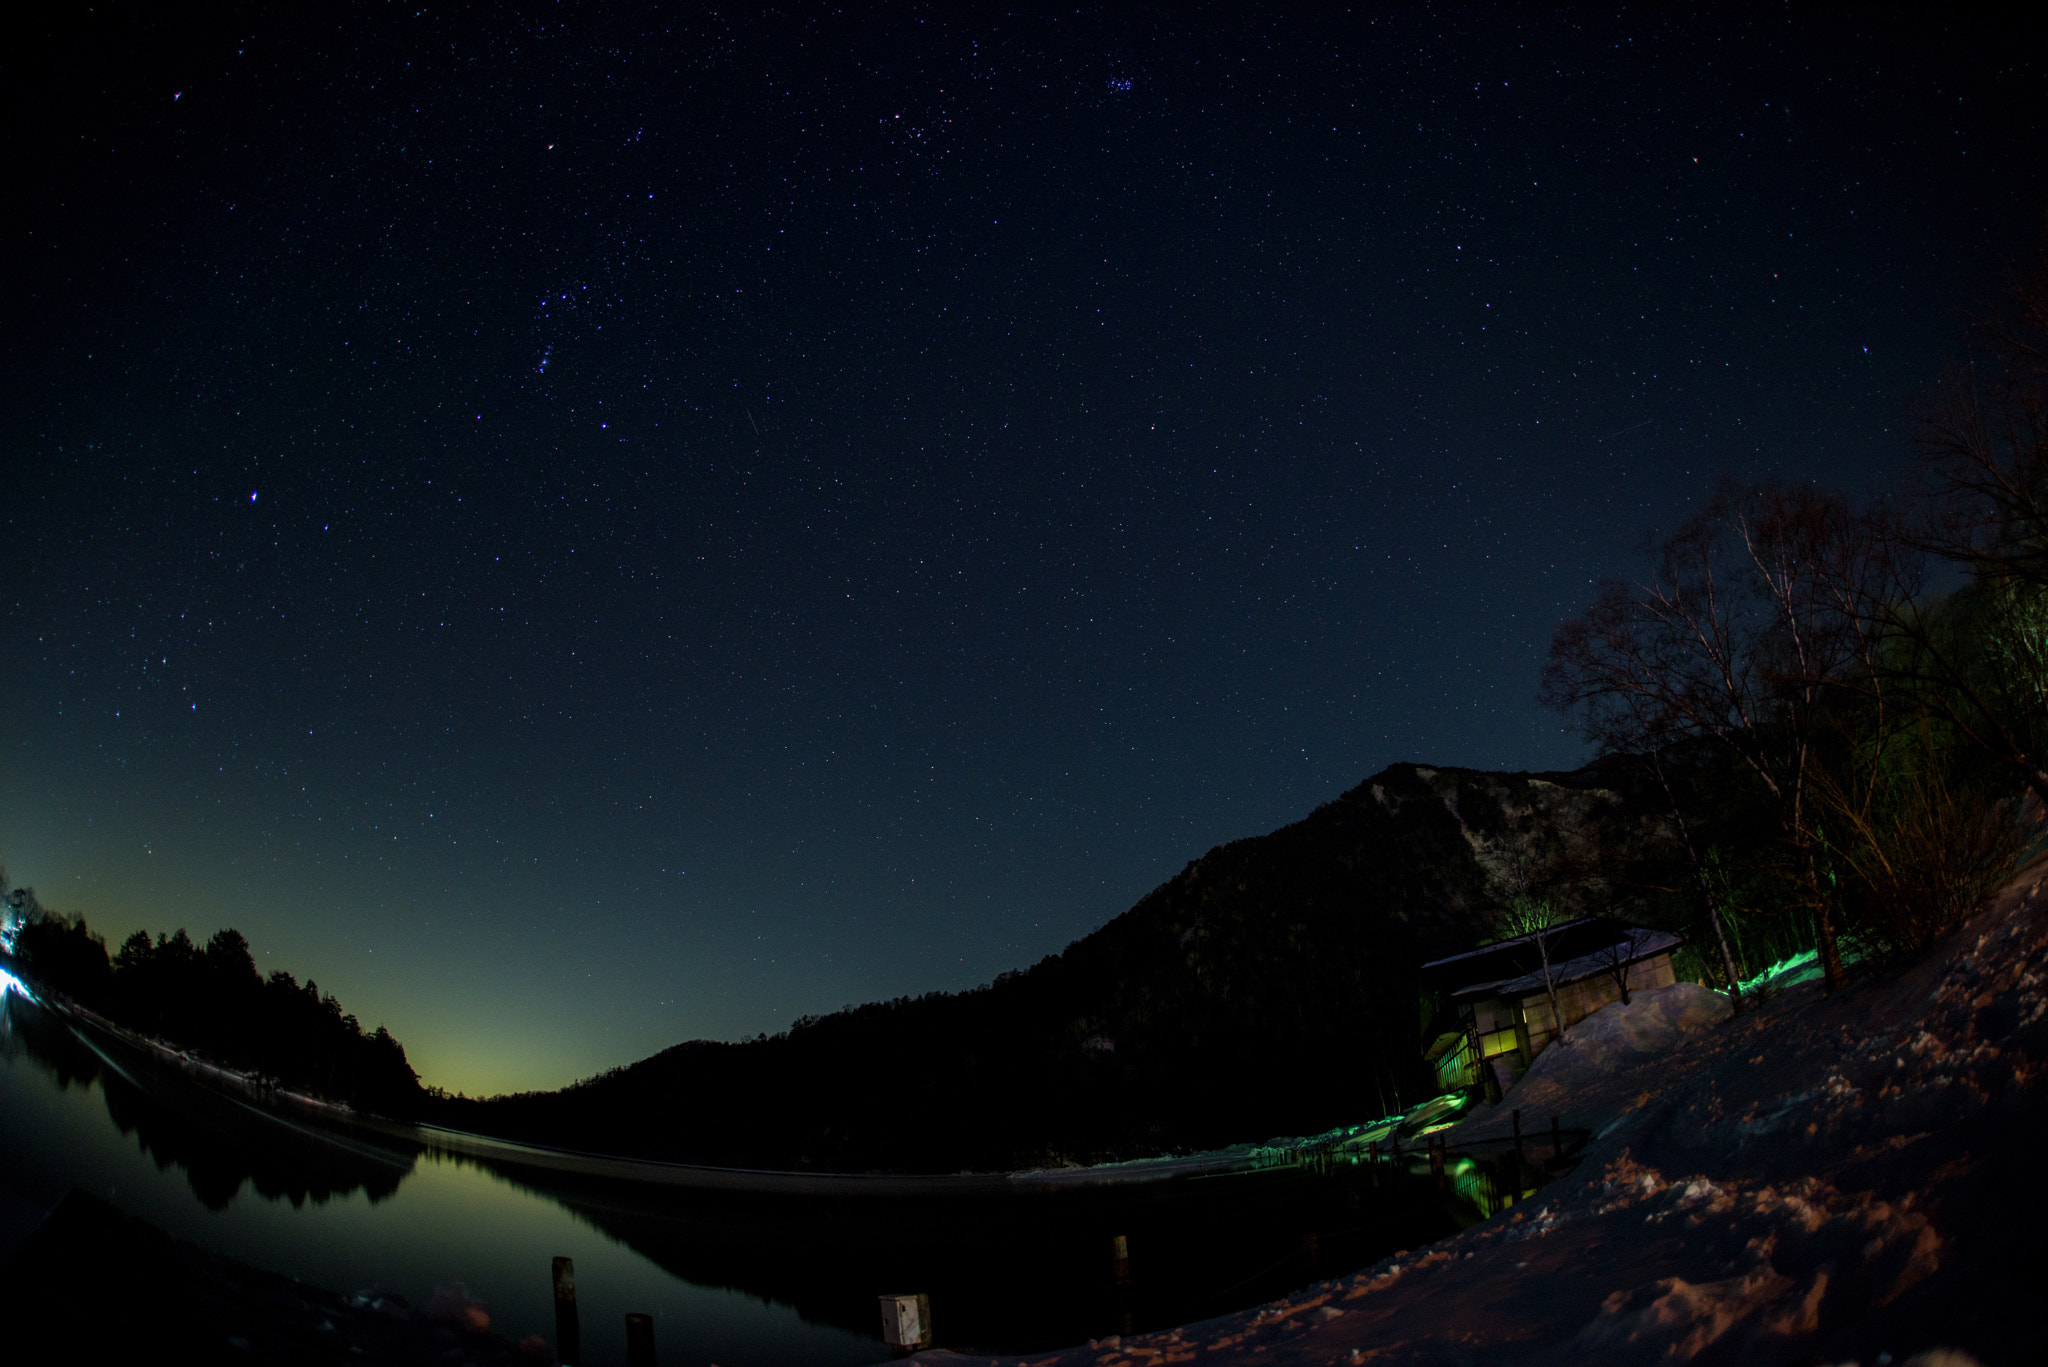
<point x="1618" y="1036"/>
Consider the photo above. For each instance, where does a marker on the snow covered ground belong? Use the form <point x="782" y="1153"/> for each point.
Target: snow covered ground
<point x="1848" y="1179"/>
<point x="1612" y="1039"/>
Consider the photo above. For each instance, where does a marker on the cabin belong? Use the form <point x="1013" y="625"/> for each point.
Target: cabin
<point x="1493" y="1008"/>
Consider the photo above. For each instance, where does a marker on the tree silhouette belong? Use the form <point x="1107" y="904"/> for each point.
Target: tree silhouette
<point x="1742" y="639"/>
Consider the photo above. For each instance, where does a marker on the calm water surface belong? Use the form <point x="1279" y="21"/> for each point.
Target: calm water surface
<point x="730" y="1279"/>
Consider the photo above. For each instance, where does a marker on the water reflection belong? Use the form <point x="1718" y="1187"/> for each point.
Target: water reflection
<point x="1031" y="1267"/>
<point x="221" y="1144"/>
<point x="733" y="1277"/>
<point x="433" y="1223"/>
<point x="1490" y="1178"/>
<point x="1022" y="1273"/>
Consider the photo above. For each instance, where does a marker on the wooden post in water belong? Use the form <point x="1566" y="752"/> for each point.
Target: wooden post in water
<point x="640" y="1341"/>
<point x="1556" y="1138"/>
<point x="1120" y="1265"/>
<point x="568" y="1333"/>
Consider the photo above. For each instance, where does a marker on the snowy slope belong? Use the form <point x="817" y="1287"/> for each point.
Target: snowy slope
<point x="1847" y="1179"/>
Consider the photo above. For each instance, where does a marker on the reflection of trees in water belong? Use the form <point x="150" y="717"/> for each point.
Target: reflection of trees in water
<point x="1022" y="1272"/>
<point x="26" y="1032"/>
<point x="219" y="1143"/>
<point x="280" y="1165"/>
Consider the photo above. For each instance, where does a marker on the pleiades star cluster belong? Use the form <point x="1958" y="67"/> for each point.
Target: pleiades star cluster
<point x="582" y="527"/>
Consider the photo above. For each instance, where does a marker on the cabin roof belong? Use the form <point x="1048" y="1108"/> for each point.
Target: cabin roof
<point x="1636" y="942"/>
<point x="1559" y="933"/>
<point x="1523" y="954"/>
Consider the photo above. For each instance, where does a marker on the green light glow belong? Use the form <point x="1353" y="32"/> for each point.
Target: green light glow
<point x="1794" y="969"/>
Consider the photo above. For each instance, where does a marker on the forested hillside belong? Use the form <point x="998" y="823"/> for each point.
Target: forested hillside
<point x="1269" y="988"/>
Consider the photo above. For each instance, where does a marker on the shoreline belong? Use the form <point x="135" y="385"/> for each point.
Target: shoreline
<point x="338" y="1123"/>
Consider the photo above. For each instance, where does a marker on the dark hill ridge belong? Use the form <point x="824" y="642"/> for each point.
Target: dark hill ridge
<point x="1268" y="988"/>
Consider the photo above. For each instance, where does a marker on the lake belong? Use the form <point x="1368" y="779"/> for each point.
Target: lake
<point x="733" y="1277"/>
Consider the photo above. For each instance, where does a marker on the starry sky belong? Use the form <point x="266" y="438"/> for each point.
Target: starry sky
<point x="580" y="527"/>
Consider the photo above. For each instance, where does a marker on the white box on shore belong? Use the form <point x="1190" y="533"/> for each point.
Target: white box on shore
<point x="907" y="1321"/>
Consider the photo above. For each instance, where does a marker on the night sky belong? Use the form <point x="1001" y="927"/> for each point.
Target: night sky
<point x="581" y="527"/>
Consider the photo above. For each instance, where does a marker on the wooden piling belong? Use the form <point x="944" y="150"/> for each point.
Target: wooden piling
<point x="1120" y="1258"/>
<point x="640" y="1341"/>
<point x="568" y="1332"/>
<point x="1556" y="1138"/>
